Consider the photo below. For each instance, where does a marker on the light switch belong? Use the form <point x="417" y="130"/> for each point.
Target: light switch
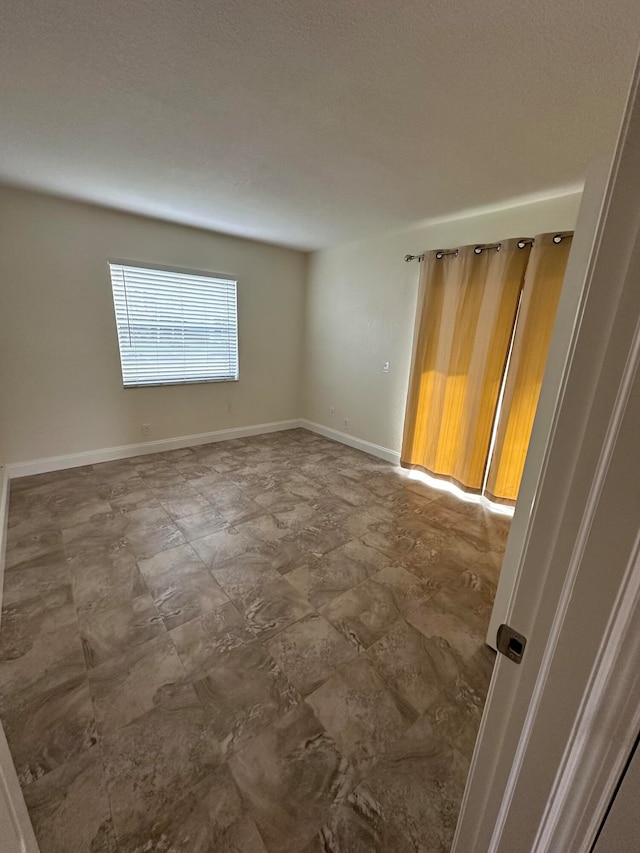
<point x="385" y="366"/>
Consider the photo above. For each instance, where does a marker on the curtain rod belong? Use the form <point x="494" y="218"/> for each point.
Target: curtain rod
<point x="478" y="249"/>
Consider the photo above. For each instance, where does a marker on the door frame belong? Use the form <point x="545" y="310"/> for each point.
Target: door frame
<point x="15" y="825"/>
<point x="547" y="789"/>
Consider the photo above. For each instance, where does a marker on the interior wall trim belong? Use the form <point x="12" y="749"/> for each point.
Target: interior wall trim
<point x="125" y="451"/>
<point x="608" y="718"/>
<point x="4" y="517"/>
<point x="352" y="441"/>
<point x="15" y="823"/>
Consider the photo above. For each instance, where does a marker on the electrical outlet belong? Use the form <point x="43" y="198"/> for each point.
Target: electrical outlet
<point x="332" y="411"/>
<point x="346" y="423"/>
<point x="146" y="429"/>
<point x="385" y="366"/>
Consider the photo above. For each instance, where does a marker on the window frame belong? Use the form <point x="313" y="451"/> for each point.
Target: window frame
<point x="125" y="262"/>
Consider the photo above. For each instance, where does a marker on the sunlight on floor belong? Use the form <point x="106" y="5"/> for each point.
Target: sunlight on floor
<point x="434" y="483"/>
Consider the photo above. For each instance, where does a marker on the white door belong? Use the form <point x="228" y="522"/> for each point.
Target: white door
<point x="621" y="830"/>
<point x="558" y="728"/>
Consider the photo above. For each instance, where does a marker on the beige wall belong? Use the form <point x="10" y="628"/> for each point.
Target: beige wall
<point x="60" y="382"/>
<point x="360" y="313"/>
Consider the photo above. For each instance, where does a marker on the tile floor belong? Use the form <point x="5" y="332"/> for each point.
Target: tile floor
<point x="270" y="644"/>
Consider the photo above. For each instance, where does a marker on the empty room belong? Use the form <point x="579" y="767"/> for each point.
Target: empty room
<point x="317" y="353"/>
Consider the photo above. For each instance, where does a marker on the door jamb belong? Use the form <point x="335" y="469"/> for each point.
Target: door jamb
<point x="591" y="765"/>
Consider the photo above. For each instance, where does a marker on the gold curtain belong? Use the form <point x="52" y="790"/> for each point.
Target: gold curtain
<point x="536" y="318"/>
<point x="467" y="305"/>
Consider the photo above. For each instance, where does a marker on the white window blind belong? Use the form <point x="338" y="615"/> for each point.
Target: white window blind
<point x="174" y="327"/>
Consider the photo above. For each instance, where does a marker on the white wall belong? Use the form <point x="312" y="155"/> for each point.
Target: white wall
<point x="60" y="382"/>
<point x="360" y="310"/>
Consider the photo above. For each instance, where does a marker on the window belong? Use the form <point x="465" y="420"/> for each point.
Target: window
<point x="174" y="326"/>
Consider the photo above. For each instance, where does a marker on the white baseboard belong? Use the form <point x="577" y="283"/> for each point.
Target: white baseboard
<point x="109" y="454"/>
<point x="125" y="451"/>
<point x="352" y="441"/>
<point x="4" y="517"/>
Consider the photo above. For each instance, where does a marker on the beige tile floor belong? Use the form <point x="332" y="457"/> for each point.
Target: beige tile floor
<point x="270" y="644"/>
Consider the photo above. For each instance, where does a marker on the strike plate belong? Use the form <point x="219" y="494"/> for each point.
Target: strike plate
<point x="511" y="643"/>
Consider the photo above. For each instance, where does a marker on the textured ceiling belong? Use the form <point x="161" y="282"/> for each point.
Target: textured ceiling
<point x="308" y="122"/>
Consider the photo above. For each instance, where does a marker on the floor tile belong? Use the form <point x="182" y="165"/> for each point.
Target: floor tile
<point x="181" y="500"/>
<point x="54" y="479"/>
<point x="203" y="642"/>
<point x="244" y="693"/>
<point x="76" y="508"/>
<point x="265" y="528"/>
<point x="130" y="496"/>
<point x="28" y="513"/>
<point x="405" y="588"/>
<point x="360" y="712"/>
<point x="363" y="614"/>
<point x="109" y="633"/>
<point x="360" y="552"/>
<point x="324" y="578"/>
<point x="246" y="572"/>
<point x="117" y="471"/>
<point x="85" y="543"/>
<point x="127" y="686"/>
<point x="283" y="554"/>
<point x="272" y="607"/>
<point x="289" y="776"/>
<point x="210" y="482"/>
<point x="31" y="546"/>
<point x="105" y="579"/>
<point x="163" y="753"/>
<point x="309" y="651"/>
<point x="417" y="669"/>
<point x="409" y="802"/>
<point x="221" y="546"/>
<point x="22" y="623"/>
<point x="69" y="807"/>
<point x="160" y="475"/>
<point x="180" y="585"/>
<point x="192" y="468"/>
<point x="210" y="818"/>
<point x="395" y="543"/>
<point x="39" y="660"/>
<point x="45" y="728"/>
<point x="150" y="531"/>
<point x="462" y="623"/>
<point x="285" y="650"/>
<point x="230" y="501"/>
<point x="288" y="509"/>
<point x="201" y="524"/>
<point x="36" y="577"/>
<point x="322" y="537"/>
